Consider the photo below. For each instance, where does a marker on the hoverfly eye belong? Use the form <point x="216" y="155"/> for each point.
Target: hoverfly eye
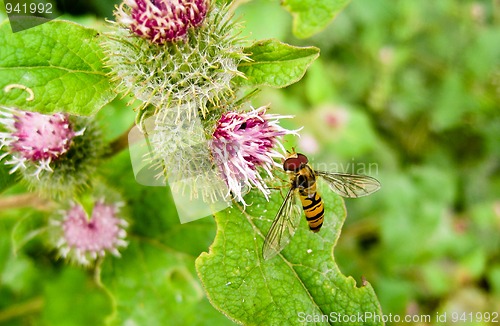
<point x="294" y="163"/>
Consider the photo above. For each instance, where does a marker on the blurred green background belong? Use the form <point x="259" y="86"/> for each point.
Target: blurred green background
<point x="406" y="91"/>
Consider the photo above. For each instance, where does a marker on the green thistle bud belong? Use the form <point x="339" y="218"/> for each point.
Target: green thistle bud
<point x="195" y="71"/>
<point x="180" y="154"/>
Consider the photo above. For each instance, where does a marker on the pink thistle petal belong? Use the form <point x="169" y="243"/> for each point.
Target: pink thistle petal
<point x="41" y="136"/>
<point x="35" y="137"/>
<point x="243" y="142"/>
<point x="90" y="238"/>
<point x="163" y="20"/>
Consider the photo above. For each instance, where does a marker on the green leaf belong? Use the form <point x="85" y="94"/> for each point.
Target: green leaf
<point x="59" y="62"/>
<point x="152" y="284"/>
<point x="300" y="283"/>
<point x="312" y="16"/>
<point x="157" y="210"/>
<point x="276" y="64"/>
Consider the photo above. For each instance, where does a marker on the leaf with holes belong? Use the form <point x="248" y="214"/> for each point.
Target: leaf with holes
<point x="300" y="283"/>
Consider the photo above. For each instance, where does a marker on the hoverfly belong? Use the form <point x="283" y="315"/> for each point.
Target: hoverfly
<point x="303" y="183"/>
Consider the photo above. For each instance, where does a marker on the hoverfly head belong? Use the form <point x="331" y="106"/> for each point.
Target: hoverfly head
<point x="294" y="162"/>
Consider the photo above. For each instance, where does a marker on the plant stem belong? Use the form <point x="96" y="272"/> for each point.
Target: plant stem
<point x="25" y="200"/>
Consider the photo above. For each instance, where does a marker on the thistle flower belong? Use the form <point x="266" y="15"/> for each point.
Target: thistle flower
<point x="34" y="140"/>
<point x="242" y="143"/>
<point x="56" y="154"/>
<point x="196" y="72"/>
<point x="162" y="20"/>
<point x="83" y="239"/>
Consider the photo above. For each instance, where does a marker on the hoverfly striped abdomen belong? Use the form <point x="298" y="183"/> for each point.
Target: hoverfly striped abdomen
<point x="313" y="208"/>
<point x="303" y="186"/>
<point x="304" y="180"/>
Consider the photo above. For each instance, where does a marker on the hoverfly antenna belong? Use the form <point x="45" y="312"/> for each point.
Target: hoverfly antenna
<point x="294" y="162"/>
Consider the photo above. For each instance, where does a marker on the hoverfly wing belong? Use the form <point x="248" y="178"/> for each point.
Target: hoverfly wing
<point x="284" y="225"/>
<point x="350" y="185"/>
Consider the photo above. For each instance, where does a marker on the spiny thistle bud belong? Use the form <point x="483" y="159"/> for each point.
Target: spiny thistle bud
<point x="195" y="72"/>
<point x="56" y="154"/>
<point x="181" y="155"/>
<point x="83" y="239"/>
<point x="215" y="162"/>
<point x="162" y="20"/>
<point x="242" y="143"/>
<point x="34" y="139"/>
